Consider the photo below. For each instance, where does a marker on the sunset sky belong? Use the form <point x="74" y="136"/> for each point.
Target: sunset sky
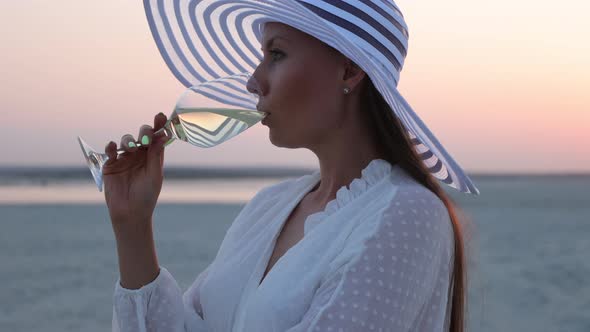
<point x="503" y="84"/>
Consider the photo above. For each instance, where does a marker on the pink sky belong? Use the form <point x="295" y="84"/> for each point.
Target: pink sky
<point x="503" y="84"/>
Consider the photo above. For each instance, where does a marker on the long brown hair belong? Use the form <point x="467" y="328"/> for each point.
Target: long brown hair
<point x="395" y="146"/>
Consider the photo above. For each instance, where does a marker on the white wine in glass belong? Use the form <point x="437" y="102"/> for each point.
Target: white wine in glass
<point x="206" y="115"/>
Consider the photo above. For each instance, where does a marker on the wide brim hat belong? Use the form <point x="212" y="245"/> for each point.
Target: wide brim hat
<point x="206" y="40"/>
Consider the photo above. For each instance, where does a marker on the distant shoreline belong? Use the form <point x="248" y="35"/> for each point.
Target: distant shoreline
<point x="13" y="174"/>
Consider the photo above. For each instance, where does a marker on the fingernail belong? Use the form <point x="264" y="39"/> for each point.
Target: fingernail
<point x="131" y="144"/>
<point x="145" y="140"/>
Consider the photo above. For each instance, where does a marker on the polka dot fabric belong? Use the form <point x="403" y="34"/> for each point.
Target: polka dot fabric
<point x="400" y="281"/>
<point x="157" y="306"/>
<point x="378" y="258"/>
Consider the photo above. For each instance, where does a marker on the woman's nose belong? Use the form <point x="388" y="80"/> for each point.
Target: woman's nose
<point x="252" y="85"/>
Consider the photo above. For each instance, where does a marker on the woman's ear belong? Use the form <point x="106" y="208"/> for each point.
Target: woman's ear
<point x="353" y="75"/>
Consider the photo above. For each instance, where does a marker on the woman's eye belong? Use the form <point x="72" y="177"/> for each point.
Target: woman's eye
<point x="275" y="54"/>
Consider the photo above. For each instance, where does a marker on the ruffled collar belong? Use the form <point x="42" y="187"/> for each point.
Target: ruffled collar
<point x="377" y="170"/>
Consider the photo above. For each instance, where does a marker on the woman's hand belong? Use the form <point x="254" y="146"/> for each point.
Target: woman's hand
<point x="133" y="180"/>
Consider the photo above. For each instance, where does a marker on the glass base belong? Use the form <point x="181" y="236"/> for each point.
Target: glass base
<point x="94" y="161"/>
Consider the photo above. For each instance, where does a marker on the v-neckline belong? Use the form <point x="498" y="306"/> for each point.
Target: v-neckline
<point x="270" y="250"/>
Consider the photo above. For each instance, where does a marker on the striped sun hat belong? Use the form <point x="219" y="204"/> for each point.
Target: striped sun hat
<point x="204" y="40"/>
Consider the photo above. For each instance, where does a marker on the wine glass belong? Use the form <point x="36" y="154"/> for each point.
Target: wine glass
<point x="205" y="115"/>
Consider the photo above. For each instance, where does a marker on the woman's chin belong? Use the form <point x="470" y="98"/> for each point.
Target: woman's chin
<point x="274" y="140"/>
<point x="282" y="142"/>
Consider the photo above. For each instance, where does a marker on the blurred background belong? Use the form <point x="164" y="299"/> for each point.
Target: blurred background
<point x="503" y="85"/>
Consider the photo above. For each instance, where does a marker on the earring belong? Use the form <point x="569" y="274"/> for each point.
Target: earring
<point x="346" y="90"/>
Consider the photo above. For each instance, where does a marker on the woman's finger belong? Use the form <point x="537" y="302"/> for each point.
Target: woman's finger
<point x="159" y="122"/>
<point x="111" y="151"/>
<point x="156" y="150"/>
<point x="145" y="135"/>
<point x="128" y="143"/>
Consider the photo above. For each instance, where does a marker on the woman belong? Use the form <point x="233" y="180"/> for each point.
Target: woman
<point x="370" y="242"/>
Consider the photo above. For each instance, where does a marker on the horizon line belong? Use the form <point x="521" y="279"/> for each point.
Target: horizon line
<point x="232" y="171"/>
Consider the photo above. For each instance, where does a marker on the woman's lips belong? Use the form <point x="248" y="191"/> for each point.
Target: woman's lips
<point x="265" y="119"/>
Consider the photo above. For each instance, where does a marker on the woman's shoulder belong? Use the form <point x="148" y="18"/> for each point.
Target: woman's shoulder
<point x="407" y="219"/>
<point x="411" y="193"/>
<point x="418" y="212"/>
<point x="408" y="208"/>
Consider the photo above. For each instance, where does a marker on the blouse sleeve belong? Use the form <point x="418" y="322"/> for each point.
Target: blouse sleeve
<point x="399" y="281"/>
<point x="158" y="306"/>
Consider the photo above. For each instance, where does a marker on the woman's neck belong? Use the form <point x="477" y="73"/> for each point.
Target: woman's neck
<point x="338" y="170"/>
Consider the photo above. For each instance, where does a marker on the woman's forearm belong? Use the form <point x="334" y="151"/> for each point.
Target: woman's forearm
<point x="138" y="262"/>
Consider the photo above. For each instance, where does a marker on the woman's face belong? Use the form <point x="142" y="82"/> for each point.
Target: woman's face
<point x="300" y="84"/>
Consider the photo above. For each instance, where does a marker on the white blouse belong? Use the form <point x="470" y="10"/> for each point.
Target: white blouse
<point x="378" y="258"/>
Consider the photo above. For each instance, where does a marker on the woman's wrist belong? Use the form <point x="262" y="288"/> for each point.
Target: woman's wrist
<point x="132" y="229"/>
<point x="138" y="262"/>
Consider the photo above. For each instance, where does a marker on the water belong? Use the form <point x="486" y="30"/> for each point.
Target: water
<point x="529" y="254"/>
<point x="207" y="127"/>
<point x="528" y="249"/>
<point x="59" y="261"/>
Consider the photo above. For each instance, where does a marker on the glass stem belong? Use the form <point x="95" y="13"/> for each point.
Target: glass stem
<point x="167" y="129"/>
